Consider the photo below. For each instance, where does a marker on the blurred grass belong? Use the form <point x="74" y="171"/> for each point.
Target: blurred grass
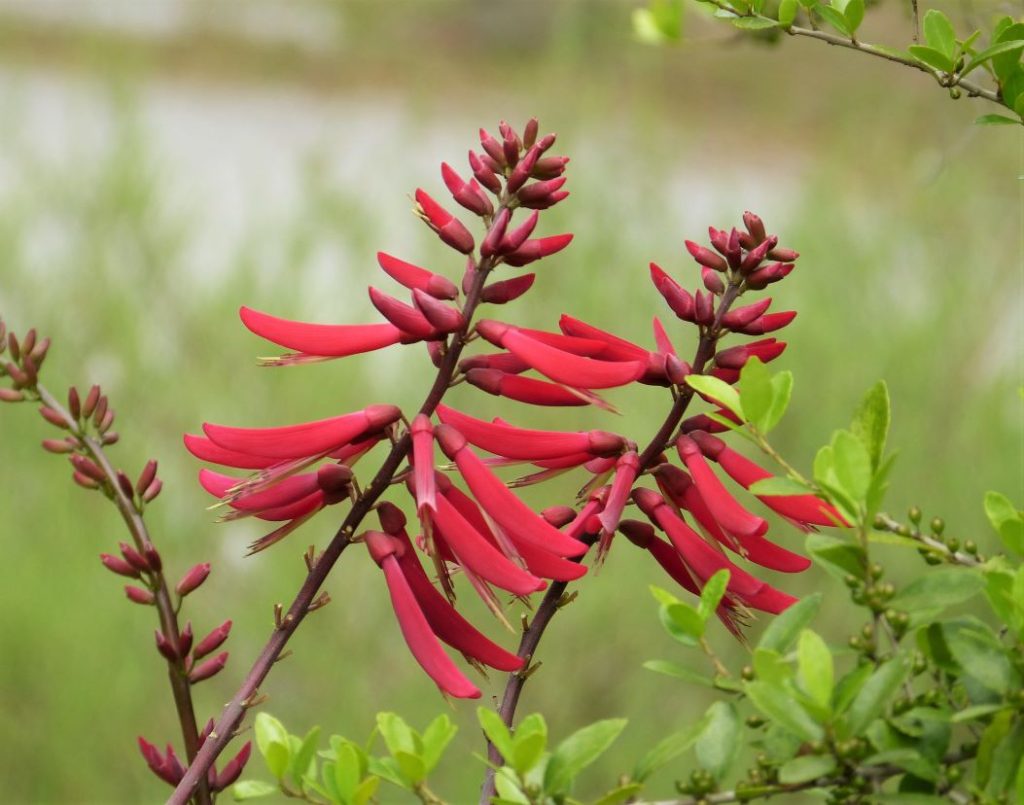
<point x="111" y="241"/>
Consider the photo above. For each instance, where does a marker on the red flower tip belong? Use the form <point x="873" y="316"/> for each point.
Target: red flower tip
<point x="192" y="579"/>
<point x="212" y="641"/>
<point x="705" y="257"/>
<point x="764" y="277"/>
<point x="335" y="481"/>
<point x="413" y="277"/>
<point x="754" y="225"/>
<point x="729" y="514"/>
<point x="525" y="389"/>
<point x="381" y="546"/>
<point x="449" y="228"/>
<point x="637" y="532"/>
<point x="500" y="293"/>
<point x="445" y="318"/>
<point x="405" y="317"/>
<point x="392" y="519"/>
<point x="678" y="298"/>
<point x="756" y="255"/>
<point x="559" y="516"/>
<point x="742" y="316"/>
<point x="483" y="173"/>
<point x="117" y="565"/>
<point x="137" y="595"/>
<point x="208" y="668"/>
<point x="423" y="463"/>
<point x="626" y="470"/>
<point x="321" y="340"/>
<point x="736" y="357"/>
<point x="533" y="250"/>
<point x="768" y="323"/>
<point x="572" y="370"/>
<point x="233" y="768"/>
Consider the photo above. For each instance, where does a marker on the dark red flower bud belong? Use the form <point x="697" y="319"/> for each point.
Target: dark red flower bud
<point x="11" y="395"/>
<point x="712" y="281"/>
<point x="754" y="225"/>
<point x="677" y="297"/>
<point x="676" y="370"/>
<point x="233" y="768"/>
<point x="412" y="276"/>
<point x="494" y="149"/>
<point x="335" y="481"/>
<point x="405" y="317"/>
<point x="523" y="169"/>
<point x="133" y="557"/>
<point x="441" y="315"/>
<point x="500" y="293"/>
<point x="783" y="255"/>
<point x="756" y="255"/>
<point x="467" y="194"/>
<point x="703" y="308"/>
<point x="209" y="668"/>
<point x="101" y="410"/>
<point x="118" y="565"/>
<point x="89" y="468"/>
<point x="517" y="237"/>
<point x="45" y="412"/>
<point x="523" y="389"/>
<point x="436" y="351"/>
<point x="768" y="323"/>
<point x="381" y="545"/>
<point x="449" y="228"/>
<point x="185" y="639"/>
<point x="125" y="483"/>
<point x="491" y="243"/>
<point x="742" y="316"/>
<point x="733" y="250"/>
<point x="146" y="477"/>
<point x="74" y="404"/>
<point x="484" y="174"/>
<point x="767" y="275"/>
<point x="736" y="357"/>
<point x="538" y="191"/>
<point x="212" y="641"/>
<point x="392" y="520"/>
<point x="58" y="446"/>
<point x="559" y="516"/>
<point x="151" y="556"/>
<point x="164" y="646"/>
<point x="510" y="144"/>
<point x="538" y="249"/>
<point x="637" y="532"/>
<point x="84" y="481"/>
<point x="503" y="361"/>
<point x="550" y="167"/>
<point x="195" y="576"/>
<point x="14" y="346"/>
<point x="152" y="491"/>
<point x="137" y="595"/>
<point x="705" y="257"/>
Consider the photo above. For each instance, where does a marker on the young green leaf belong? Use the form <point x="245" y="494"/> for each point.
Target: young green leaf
<point x="782" y="390"/>
<point x="851" y="464"/>
<point x="719" y="742"/>
<point x="578" y="751"/>
<point x="303" y="764"/>
<point x="805" y="768"/>
<point x="754" y="23"/>
<point x="998" y="49"/>
<point x="683" y="622"/>
<point x="717" y="390"/>
<point x="783" y="631"/>
<point x="347" y="772"/>
<point x="529" y="743"/>
<point x="660" y="22"/>
<point x="756" y="392"/>
<point x="814" y="663"/>
<point x="668" y="749"/>
<point x="871" y="421"/>
<point x="854" y="14"/>
<point x="835" y="18"/>
<point x="779" y="705"/>
<point x="770" y="666"/>
<point x="495" y="730"/>
<point x="1006" y="520"/>
<point x="932" y="58"/>
<point x="251" y="789"/>
<point x="939" y="33"/>
<point x="398" y="735"/>
<point x="939" y="588"/>
<point x="711" y="595"/>
<point x="995" y="120"/>
<point x="876" y="693"/>
<point x="787" y="12"/>
<point x="669" y="668"/>
<point x="1004" y="65"/>
<point x="436" y="737"/>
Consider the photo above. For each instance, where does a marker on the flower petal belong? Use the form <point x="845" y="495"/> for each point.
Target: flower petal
<point x="726" y="510"/>
<point x="332" y="340"/>
<point x="564" y="367"/>
<point x="205" y="450"/>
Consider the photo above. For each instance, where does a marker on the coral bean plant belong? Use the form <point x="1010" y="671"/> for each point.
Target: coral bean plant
<point x="421" y="491"/>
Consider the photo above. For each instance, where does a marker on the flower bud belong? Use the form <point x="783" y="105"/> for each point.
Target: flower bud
<point x="756" y="255"/>
<point x="705" y="257"/>
<point x="91" y="399"/>
<point x="152" y="491"/>
<point x="152" y="557"/>
<point x="494" y="149"/>
<point x="533" y="250"/>
<point x="212" y="641"/>
<point x="209" y="668"/>
<point x="74" y="404"/>
<point x="392" y="520"/>
<point x="233" y="768"/>
<point x="712" y="281"/>
<point x="768" y="323"/>
<point x="49" y="414"/>
<point x="742" y="316"/>
<point x="125" y="484"/>
<point x="549" y="167"/>
<point x="133" y="557"/>
<point x="523" y="169"/>
<point x="487" y="177"/>
<point x="530" y="133"/>
<point x="116" y="564"/>
<point x="754" y="225"/>
<point x="11" y="395"/>
<point x="766" y="276"/>
<point x="84" y="481"/>
<point x="442" y="316"/>
<point x="58" y="446"/>
<point x="335" y="480"/>
<point x="449" y="228"/>
<point x="517" y="237"/>
<point x="703" y="308"/>
<point x="192" y="579"/>
<point x="783" y="255"/>
<point x="146" y="477"/>
<point x="538" y="191"/>
<point x="491" y="244"/>
<point x="559" y="516"/>
<point x="381" y="545"/>
<point x="137" y="595"/>
<point x="164" y="646"/>
<point x="500" y="293"/>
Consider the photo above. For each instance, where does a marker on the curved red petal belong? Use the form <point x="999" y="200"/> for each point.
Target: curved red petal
<point x="572" y="370"/>
<point x="330" y="340"/>
<point x="205" y="450"/>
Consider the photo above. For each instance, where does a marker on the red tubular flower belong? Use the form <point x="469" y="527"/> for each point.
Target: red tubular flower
<point x="729" y="514"/>
<point x="705" y="257"/>
<point x="167" y="767"/>
<point x="205" y="450"/>
<point x="767" y="349"/>
<point x="405" y="317"/>
<point x="533" y="250"/>
<point x="616" y="349"/>
<point x="529" y="445"/>
<point x="449" y="228"/>
<point x="416" y="278"/>
<point x="572" y="370"/>
<point x="501" y="361"/>
<point x="805" y="510"/>
<point x="500" y="293"/>
<point x="483" y="173"/>
<point x="678" y="298"/>
<point x="318" y="341"/>
<point x="305" y="439"/>
<point x="768" y="323"/>
<point x="626" y="470"/>
<point x="423" y="463"/>
<point x="468" y="194"/>
<point x="661" y="338"/>
<point x="742" y="316"/>
<point x="415" y="629"/>
<point x="285" y="492"/>
<point x="525" y="389"/>
<point x="500" y="503"/>
<point x="232" y="770"/>
<point x="514" y="238"/>
<point x="495" y="332"/>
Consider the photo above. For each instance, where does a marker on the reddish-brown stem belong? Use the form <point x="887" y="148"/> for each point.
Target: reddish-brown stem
<point x="163" y="601"/>
<point x="234" y="711"/>
<point x="550" y="603"/>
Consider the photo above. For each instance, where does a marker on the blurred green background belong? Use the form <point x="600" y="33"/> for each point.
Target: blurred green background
<point x="163" y="163"/>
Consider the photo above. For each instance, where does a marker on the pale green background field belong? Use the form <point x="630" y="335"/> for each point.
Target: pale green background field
<point x="156" y="174"/>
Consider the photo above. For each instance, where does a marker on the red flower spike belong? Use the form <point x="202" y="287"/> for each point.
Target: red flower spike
<point x="768" y="323"/>
<point x="527" y="444"/>
<point x="733" y="252"/>
<point x="533" y="250"/>
<point x="500" y="293"/>
<point x="168" y="769"/>
<point x="209" y="668"/>
<point x="117" y="565"/>
<point x="305" y="439"/>
<point x="138" y="596"/>
<point x="502" y="361"/>
<point x="423" y="463"/>
<point x="212" y="641"/>
<point x="405" y="317"/>
<point x="445" y="318"/>
<point x="712" y="281"/>
<point x="764" y="277"/>
<point x="487" y="177"/>
<point x="515" y="238"/>
<point x="705" y="257"/>
<point x="755" y="226"/>
<point x="742" y="316"/>
<point x="572" y="370"/>
<point x="475" y="552"/>
<point x="205" y="450"/>
<point x="319" y="340"/>
<point x="523" y="389"/>
<point x="678" y="298"/>
<point x="449" y="228"/>
<point x="767" y="349"/>
<point x="500" y="503"/>
<point x="233" y="768"/>
<point x="626" y="470"/>
<point x="729" y="514"/>
<point x="491" y="244"/>
<point x="414" y="277"/>
<point x="679" y="488"/>
<point x="806" y="509"/>
<point x="523" y="169"/>
<point x="756" y="255"/>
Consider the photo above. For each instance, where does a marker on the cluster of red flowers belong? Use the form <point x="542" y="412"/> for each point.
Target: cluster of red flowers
<point x="485" y="531"/>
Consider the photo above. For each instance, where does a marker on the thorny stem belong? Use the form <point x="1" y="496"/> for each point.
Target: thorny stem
<point x="165" y="606"/>
<point x="234" y="710"/>
<point x="549" y="604"/>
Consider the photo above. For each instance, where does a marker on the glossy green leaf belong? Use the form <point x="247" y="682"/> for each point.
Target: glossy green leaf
<point x="436" y="737"/>
<point x="507" y="785"/>
<point x="669" y="668"/>
<point x="805" y="768"/>
<point x="931" y="57"/>
<point x="365" y="791"/>
<point x="303" y="764"/>
<point x="998" y="49"/>
<point x="347" y="772"/>
<point x="268" y="731"/>
<point x="660" y="22"/>
<point x="578" y="751"/>
<point x="756" y="392"/>
<point x="780" y="706"/>
<point x="876" y="693"/>
<point x="623" y="793"/>
<point x="397" y="734"/>
<point x="1006" y="519"/>
<point x="529" y="743"/>
<point x="871" y="421"/>
<point x="683" y="622"/>
<point x="754" y="23"/>
<point x="770" y="666"/>
<point x="835" y="18"/>
<point x="495" y="730"/>
<point x="787" y="12"/>
<point x="990" y="739"/>
<point x="851" y="464"/>
<point x="719" y="742"/>
<point x="412" y="767"/>
<point x="782" y="391"/>
<point x="939" y="33"/>
<point x="711" y="595"/>
<point x="995" y="120"/>
<point x="815" y="668"/>
<point x="940" y="588"/>
<point x="838" y="557"/>
<point x="251" y="789"/>
<point x="1004" y="65"/>
<point x="668" y="749"/>
<point x="782" y="632"/>
<point x="717" y="390"/>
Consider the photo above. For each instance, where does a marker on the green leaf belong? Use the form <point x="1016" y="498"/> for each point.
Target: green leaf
<point x="269" y="731"/>
<point x="756" y="392"/>
<point x="871" y="421"/>
<point x="347" y="770"/>
<point x="854" y="14"/>
<point x="683" y="622"/>
<point x="849" y="686"/>
<point x="436" y="738"/>
<point x="851" y="465"/>
<point x="998" y="49"/>
<point x="835" y="18"/>
<point x="754" y="23"/>
<point x="838" y="557"/>
<point x="979" y="658"/>
<point x="412" y="767"/>
<point x="495" y="730"/>
<point x="978" y="711"/>
<point x="529" y="743"/>
<point x="1004" y="65"/>
<point x="1006" y="520"/>
<point x="678" y="671"/>
<point x="991" y="738"/>
<point x="662" y="596"/>
<point x="939" y="33"/>
<point x="806" y="767"/>
<point x="719" y="741"/>
<point x="995" y="120"/>
<point x="711" y="595"/>
<point x="931" y="57"/>
<point x="620" y="794"/>
<point x="303" y="764"/>
<point x="660" y="22"/>
<point x="787" y="12"/>
<point x="777" y="486"/>
<point x="783" y="631"/>
<point x="397" y="734"/>
<point x="875" y="694"/>
<point x="717" y="390"/>
<point x="939" y="588"/>
<point x="365" y="791"/>
<point x="814" y="663"/>
<point x="578" y="751"/>
<point x="776" y="703"/>
<point x="667" y="749"/>
<point x="782" y="390"/>
<point x="506" y="783"/>
<point x="1005" y="760"/>
<point x="250" y="789"/>
<point x="770" y="667"/>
